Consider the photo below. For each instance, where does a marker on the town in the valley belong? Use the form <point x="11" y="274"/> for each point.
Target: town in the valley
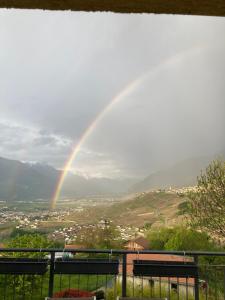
<point x="66" y="223"/>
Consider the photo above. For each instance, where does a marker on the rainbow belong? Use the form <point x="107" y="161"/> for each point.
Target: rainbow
<point x="129" y="88"/>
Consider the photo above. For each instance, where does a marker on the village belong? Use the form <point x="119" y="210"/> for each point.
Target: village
<point x="44" y="220"/>
<point x="67" y="221"/>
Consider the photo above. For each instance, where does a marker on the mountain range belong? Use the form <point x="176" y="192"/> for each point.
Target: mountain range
<point x="183" y="173"/>
<point x="30" y="181"/>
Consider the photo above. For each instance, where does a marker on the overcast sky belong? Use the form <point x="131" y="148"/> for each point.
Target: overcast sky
<point x="59" y="70"/>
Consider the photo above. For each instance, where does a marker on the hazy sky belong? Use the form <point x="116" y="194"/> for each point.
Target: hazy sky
<point x="59" y="70"/>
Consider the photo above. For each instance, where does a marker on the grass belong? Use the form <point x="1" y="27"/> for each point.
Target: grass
<point x="140" y="291"/>
<point x="37" y="286"/>
<point x="109" y="284"/>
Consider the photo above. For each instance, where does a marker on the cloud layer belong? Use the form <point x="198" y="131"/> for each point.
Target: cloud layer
<point x="59" y="70"/>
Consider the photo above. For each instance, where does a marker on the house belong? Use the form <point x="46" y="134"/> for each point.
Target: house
<point x="73" y="246"/>
<point x="139" y="243"/>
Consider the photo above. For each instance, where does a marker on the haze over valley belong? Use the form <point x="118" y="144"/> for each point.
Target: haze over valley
<point x="20" y="181"/>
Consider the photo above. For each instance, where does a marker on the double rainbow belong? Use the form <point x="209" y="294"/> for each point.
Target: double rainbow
<point x="120" y="96"/>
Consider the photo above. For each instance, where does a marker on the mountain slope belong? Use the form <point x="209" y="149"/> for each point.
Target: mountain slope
<point x="152" y="208"/>
<point x="25" y="181"/>
<point x="22" y="181"/>
<point x="181" y="174"/>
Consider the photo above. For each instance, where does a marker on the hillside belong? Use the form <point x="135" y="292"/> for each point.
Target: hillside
<point x="147" y="208"/>
<point x="181" y="174"/>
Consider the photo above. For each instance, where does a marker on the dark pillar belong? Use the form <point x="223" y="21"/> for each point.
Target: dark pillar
<point x="124" y="276"/>
<point x="51" y="275"/>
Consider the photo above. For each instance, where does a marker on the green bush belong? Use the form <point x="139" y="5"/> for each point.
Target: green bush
<point x="159" y="237"/>
<point x="188" y="239"/>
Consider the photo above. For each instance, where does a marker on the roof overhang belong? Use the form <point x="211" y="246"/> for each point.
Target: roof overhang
<point x="185" y="7"/>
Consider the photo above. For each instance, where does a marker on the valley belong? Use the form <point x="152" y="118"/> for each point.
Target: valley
<point x="145" y="210"/>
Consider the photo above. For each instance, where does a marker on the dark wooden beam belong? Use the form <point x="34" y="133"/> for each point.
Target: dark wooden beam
<point x="186" y="7"/>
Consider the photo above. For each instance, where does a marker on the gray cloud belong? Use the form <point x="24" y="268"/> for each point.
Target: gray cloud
<point x="29" y="144"/>
<point x="59" y="70"/>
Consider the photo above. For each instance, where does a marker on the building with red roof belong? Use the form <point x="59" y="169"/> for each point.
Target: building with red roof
<point x="139" y="243"/>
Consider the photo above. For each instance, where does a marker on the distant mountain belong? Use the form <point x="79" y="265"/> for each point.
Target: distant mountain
<point x="181" y="174"/>
<point x="30" y="181"/>
<point x="80" y="186"/>
<point x="24" y="181"/>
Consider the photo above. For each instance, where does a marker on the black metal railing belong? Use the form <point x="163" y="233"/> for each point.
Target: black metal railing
<point x="39" y="273"/>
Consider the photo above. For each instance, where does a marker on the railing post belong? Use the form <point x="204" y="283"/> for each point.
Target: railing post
<point x="224" y="283"/>
<point x="124" y="276"/>
<point x="196" y="280"/>
<point x="51" y="275"/>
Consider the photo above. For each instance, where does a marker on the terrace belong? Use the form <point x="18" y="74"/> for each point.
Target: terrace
<point x="30" y="274"/>
<point x="109" y="274"/>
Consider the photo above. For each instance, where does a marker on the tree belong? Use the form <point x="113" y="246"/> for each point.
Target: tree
<point x="188" y="239"/>
<point x="30" y="241"/>
<point x="27" y="284"/>
<point x="179" y="238"/>
<point x="102" y="237"/>
<point x="158" y="238"/>
<point x="109" y="237"/>
<point x="185" y="239"/>
<point x="207" y="203"/>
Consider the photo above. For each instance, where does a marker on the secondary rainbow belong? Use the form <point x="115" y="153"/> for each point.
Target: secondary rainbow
<point x="121" y="95"/>
<point x="127" y="90"/>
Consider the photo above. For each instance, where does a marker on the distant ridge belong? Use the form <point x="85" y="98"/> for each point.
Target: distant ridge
<point x="181" y="174"/>
<point x="24" y="181"/>
<point x="30" y="181"/>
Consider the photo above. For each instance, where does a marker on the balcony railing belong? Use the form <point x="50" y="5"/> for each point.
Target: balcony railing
<point x="39" y="273"/>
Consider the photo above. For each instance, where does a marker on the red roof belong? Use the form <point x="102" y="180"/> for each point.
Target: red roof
<point x="140" y="241"/>
<point x="74" y="246"/>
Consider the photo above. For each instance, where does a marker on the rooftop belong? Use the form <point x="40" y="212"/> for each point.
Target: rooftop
<point x="140" y="240"/>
